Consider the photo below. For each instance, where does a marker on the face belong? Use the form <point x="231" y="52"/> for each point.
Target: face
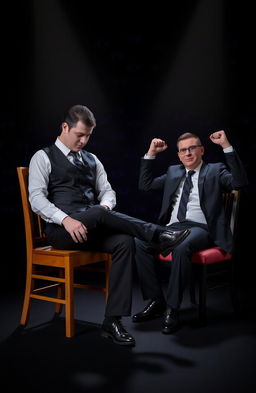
<point x="75" y="138"/>
<point x="190" y="158"/>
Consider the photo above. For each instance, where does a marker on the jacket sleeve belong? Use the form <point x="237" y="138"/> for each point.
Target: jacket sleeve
<point x="146" y="180"/>
<point x="238" y="178"/>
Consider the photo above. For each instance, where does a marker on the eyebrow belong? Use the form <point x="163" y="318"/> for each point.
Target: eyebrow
<point x="83" y="133"/>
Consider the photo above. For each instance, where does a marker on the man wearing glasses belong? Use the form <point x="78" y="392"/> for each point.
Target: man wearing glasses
<point x="192" y="199"/>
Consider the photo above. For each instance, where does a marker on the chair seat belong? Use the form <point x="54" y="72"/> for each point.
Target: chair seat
<point x="204" y="257"/>
<point x="50" y="256"/>
<point x="49" y="250"/>
<point x="54" y="251"/>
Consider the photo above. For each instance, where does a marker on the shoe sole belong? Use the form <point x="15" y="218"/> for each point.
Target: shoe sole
<point x="110" y="337"/>
<point x="166" y="252"/>
<point x="149" y="319"/>
<point x="170" y="330"/>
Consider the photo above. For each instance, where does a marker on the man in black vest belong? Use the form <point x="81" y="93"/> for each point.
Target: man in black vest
<point x="69" y="189"/>
<point x="192" y="199"/>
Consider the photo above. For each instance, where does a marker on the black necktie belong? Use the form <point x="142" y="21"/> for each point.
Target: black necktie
<point x="76" y="160"/>
<point x="184" y="197"/>
<point x="87" y="189"/>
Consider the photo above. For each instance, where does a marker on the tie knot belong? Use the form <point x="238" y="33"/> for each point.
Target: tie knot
<point x="74" y="154"/>
<point x="191" y="173"/>
<point x="77" y="160"/>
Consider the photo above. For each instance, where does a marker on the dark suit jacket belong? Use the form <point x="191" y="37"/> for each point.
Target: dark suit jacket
<point x="213" y="180"/>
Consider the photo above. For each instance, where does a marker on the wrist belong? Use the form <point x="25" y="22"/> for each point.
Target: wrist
<point x="228" y="149"/>
<point x="225" y="145"/>
<point x="151" y="153"/>
<point x="106" y="207"/>
<point x="147" y="157"/>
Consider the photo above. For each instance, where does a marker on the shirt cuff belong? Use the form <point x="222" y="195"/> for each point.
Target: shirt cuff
<point x="228" y="149"/>
<point x="107" y="203"/>
<point x="147" y="157"/>
<point x="58" y="217"/>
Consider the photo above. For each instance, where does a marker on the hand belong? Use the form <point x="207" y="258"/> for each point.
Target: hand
<point x="156" y="146"/>
<point x="219" y="138"/>
<point x="76" y="229"/>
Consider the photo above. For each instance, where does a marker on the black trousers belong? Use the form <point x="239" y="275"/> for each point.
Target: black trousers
<point x="180" y="272"/>
<point x="112" y="232"/>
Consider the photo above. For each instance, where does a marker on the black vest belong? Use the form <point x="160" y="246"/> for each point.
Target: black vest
<point x="71" y="188"/>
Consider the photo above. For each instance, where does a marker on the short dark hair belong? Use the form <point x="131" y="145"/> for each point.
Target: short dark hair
<point x="82" y="113"/>
<point x="188" y="135"/>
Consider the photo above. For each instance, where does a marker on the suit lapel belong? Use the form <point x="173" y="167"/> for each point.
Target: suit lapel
<point x="201" y="179"/>
<point x="174" y="182"/>
<point x="173" y="179"/>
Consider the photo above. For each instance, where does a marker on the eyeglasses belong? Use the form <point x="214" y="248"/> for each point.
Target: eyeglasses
<point x="189" y="149"/>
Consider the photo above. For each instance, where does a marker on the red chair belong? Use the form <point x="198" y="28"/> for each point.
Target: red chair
<point x="214" y="260"/>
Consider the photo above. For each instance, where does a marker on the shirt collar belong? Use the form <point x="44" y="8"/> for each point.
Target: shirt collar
<point x="197" y="169"/>
<point x="65" y="150"/>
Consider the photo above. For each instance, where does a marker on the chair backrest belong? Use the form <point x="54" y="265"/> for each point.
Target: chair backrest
<point x="32" y="222"/>
<point x="231" y="204"/>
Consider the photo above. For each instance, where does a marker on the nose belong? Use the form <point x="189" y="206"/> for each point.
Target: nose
<point x="83" y="140"/>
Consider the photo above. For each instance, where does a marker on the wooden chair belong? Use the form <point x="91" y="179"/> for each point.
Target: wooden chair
<point x="214" y="261"/>
<point x="42" y="256"/>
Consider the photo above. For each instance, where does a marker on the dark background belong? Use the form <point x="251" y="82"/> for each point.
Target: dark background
<point x="145" y="71"/>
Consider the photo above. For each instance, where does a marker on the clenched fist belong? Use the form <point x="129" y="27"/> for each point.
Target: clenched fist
<point x="156" y="146"/>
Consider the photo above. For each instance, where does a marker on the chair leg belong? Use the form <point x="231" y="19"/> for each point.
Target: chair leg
<point x="69" y="296"/>
<point x="202" y="294"/>
<point x="192" y="287"/>
<point x="27" y="298"/>
<point x="192" y="292"/>
<point x="233" y="289"/>
<point x="60" y="294"/>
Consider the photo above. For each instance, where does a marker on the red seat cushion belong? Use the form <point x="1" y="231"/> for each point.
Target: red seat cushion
<point x="207" y="256"/>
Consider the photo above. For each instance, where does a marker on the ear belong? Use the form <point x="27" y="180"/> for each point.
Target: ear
<point x="64" y="127"/>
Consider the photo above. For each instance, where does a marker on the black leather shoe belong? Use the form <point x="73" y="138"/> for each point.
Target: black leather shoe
<point x="153" y="310"/>
<point x="117" y="333"/>
<point x="168" y="240"/>
<point x="171" y="322"/>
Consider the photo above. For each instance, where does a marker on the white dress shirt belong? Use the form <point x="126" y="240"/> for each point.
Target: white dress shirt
<point x="39" y="171"/>
<point x="194" y="211"/>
